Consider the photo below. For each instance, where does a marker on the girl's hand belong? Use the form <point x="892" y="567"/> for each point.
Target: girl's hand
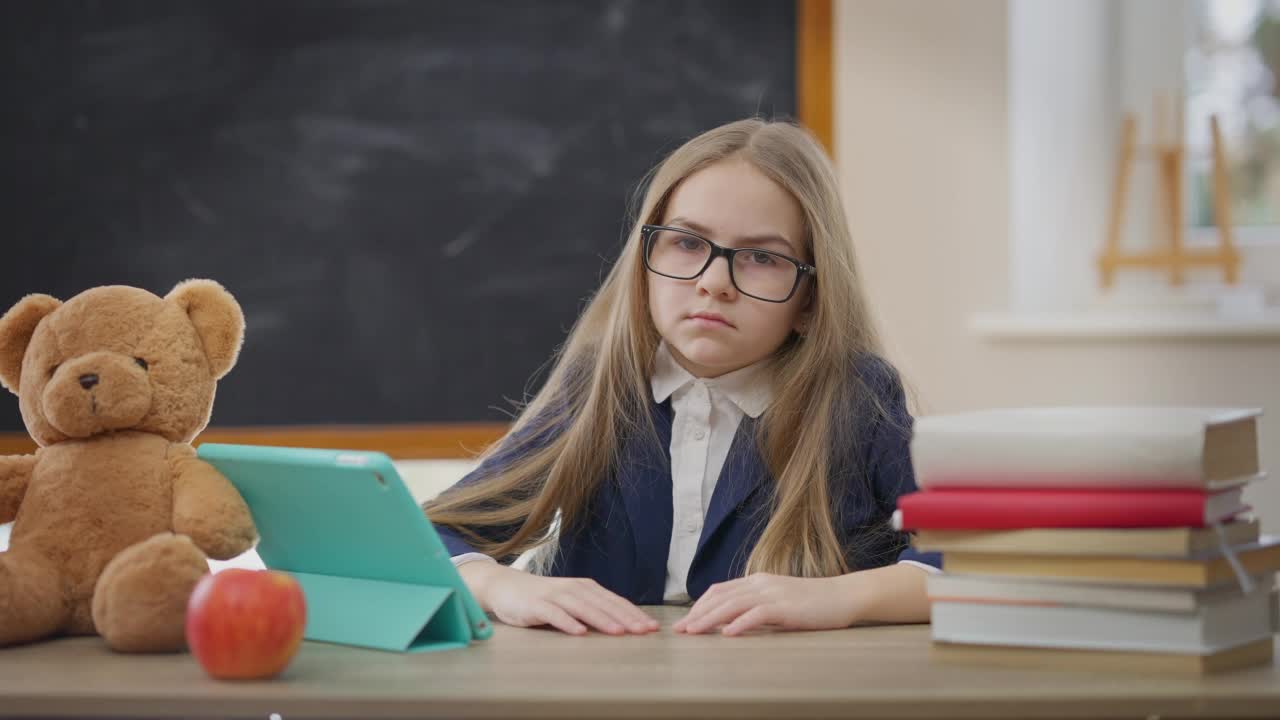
<point x="789" y="603"/>
<point x="572" y="605"/>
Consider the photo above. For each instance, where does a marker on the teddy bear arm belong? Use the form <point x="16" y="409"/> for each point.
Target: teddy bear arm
<point x="207" y="508"/>
<point x="15" y="475"/>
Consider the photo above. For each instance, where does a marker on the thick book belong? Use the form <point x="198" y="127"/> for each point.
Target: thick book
<point x="1198" y="572"/>
<point x="1143" y="542"/>
<point x="945" y="587"/>
<point x="1004" y="508"/>
<point x="1191" y="447"/>
<point x="1233" y="622"/>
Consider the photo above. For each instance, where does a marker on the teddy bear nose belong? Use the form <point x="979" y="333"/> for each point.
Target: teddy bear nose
<point x="88" y="381"/>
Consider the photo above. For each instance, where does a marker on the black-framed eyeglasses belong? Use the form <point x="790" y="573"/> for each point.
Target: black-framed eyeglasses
<point x="761" y="274"/>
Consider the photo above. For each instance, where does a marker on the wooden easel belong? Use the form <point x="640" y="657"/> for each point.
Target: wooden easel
<point x="1171" y="255"/>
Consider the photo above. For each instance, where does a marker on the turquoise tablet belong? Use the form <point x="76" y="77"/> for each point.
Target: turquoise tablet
<point x="372" y="567"/>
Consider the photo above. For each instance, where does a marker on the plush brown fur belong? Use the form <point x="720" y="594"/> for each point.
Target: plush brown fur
<point x="115" y="515"/>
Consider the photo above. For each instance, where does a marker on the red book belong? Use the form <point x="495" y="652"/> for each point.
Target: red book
<point x="1008" y="509"/>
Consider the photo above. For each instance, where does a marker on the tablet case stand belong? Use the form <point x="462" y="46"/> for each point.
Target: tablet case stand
<point x="383" y="615"/>
<point x="373" y="570"/>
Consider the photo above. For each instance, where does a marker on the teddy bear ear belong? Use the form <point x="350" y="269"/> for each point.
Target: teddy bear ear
<point x="217" y="318"/>
<point x="16" y="328"/>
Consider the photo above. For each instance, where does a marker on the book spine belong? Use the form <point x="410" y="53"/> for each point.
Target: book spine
<point x="950" y="458"/>
<point x="963" y="479"/>
<point x="1014" y="509"/>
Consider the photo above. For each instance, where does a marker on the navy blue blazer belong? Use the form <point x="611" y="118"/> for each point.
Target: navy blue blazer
<point x="624" y="539"/>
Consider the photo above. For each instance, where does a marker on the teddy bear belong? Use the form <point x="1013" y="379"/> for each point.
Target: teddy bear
<point x="114" y="515"/>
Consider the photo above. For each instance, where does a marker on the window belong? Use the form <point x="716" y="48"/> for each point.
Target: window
<point x="1233" y="70"/>
<point x="1075" y="69"/>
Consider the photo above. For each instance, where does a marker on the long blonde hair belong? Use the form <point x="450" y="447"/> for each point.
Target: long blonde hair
<point x="598" y="387"/>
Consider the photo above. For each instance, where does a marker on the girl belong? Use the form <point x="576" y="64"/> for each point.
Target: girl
<point x="719" y="411"/>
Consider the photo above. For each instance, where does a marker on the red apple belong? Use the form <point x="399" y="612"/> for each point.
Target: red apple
<point x="245" y="624"/>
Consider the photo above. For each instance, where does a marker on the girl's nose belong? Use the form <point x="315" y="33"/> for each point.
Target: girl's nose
<point x="716" y="280"/>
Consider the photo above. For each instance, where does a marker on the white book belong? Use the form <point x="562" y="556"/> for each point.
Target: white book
<point x="1166" y="447"/>
<point x="945" y="587"/>
<point x="1240" y="620"/>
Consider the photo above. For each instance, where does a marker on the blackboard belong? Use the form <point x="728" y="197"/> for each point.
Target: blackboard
<point x="411" y="200"/>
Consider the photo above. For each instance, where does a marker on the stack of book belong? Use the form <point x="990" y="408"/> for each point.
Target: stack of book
<point x="1094" y="537"/>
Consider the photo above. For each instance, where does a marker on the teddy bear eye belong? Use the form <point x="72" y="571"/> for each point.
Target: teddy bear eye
<point x="141" y="363"/>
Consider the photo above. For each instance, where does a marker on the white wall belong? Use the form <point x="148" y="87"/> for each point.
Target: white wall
<point x="922" y="138"/>
<point x="426" y="478"/>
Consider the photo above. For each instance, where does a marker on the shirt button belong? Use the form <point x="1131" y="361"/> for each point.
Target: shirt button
<point x="691" y="527"/>
<point x="699" y="435"/>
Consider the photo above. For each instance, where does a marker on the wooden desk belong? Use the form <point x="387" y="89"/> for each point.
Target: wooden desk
<point x="865" y="672"/>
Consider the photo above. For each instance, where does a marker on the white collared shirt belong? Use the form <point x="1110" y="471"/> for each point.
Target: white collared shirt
<point x="706" y="416"/>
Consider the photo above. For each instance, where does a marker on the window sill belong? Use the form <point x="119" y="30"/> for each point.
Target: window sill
<point x="1103" y="325"/>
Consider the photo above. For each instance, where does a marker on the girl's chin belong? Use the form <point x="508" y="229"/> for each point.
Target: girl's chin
<point x="711" y="356"/>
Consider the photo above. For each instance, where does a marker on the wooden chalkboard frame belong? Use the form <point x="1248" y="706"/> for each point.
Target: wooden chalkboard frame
<point x="814" y="108"/>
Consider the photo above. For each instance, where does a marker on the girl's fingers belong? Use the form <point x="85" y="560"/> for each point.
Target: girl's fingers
<point x="756" y="617"/>
<point x="719" y="590"/>
<point x="723" y="612"/>
<point x="555" y="616"/>
<point x="700" y="610"/>
<point x="724" y="592"/>
<point x="590" y="613"/>
<point x="696" y="611"/>
<point x="711" y="598"/>
<point x="623" y="611"/>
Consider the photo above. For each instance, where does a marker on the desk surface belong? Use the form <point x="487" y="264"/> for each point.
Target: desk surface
<point x="863" y="672"/>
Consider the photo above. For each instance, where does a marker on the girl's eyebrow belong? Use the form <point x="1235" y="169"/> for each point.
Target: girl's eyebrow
<point x="749" y="240"/>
